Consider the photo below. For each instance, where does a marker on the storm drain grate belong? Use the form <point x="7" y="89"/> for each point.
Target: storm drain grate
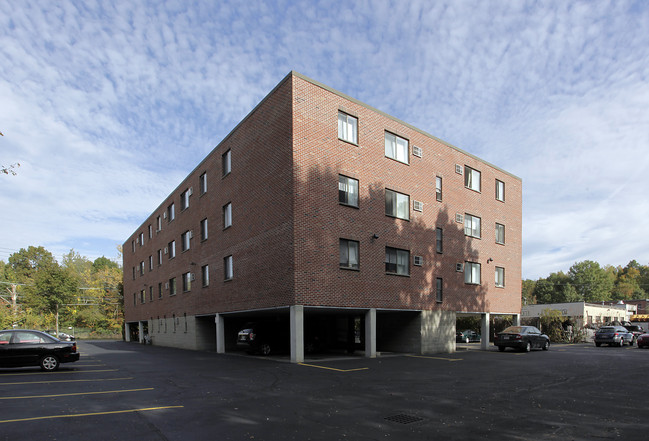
<point x="404" y="419"/>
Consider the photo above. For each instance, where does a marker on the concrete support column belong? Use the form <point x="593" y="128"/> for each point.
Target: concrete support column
<point x="484" y="331"/>
<point x="370" y="333"/>
<point x="220" y="334"/>
<point x="516" y="319"/>
<point x="127" y="332"/>
<point x="140" y="334"/>
<point x="297" y="334"/>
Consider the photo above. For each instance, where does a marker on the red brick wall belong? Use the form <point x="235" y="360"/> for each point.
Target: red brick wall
<point x="320" y="221"/>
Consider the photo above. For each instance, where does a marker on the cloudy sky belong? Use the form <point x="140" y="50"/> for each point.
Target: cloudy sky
<point x="108" y="105"/>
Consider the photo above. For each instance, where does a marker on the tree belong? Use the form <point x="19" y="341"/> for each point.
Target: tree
<point x="591" y="282"/>
<point x="527" y="294"/>
<point x="27" y="262"/>
<point x="556" y="288"/>
<point x="627" y="282"/>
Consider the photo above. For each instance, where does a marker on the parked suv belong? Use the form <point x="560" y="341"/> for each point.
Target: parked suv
<point x="613" y="335"/>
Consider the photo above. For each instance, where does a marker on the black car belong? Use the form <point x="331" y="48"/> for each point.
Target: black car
<point x="636" y="330"/>
<point x="264" y="338"/>
<point x="23" y="347"/>
<point x="522" y="337"/>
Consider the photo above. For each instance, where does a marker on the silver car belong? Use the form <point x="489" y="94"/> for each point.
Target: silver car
<point x="613" y="336"/>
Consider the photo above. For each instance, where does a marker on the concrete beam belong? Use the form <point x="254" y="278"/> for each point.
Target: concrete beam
<point x="484" y="331"/>
<point x="220" y="334"/>
<point x="370" y="333"/>
<point x="297" y="334"/>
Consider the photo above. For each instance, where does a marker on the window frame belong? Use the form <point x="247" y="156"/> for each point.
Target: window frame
<point x="187" y="281"/>
<point x="345" y="245"/>
<point x="399" y="254"/>
<point x="172" y="249"/>
<point x="395" y="147"/>
<point x="499" y="281"/>
<point x="186" y="239"/>
<point x="228" y="268"/>
<point x="205" y="275"/>
<point x="344" y="194"/>
<point x="438" y="188"/>
<point x="500" y="231"/>
<point x="171" y="212"/>
<point x="500" y="194"/>
<point x="469" y="178"/>
<point x="184" y="200"/>
<point x="347" y="124"/>
<point x="202" y="183"/>
<point x="172" y="287"/>
<point x="471" y="229"/>
<point x="204" y="230"/>
<point x="226" y="163"/>
<point x="227" y="215"/>
<point x="439" y="290"/>
<point x="470" y="273"/>
<point x="392" y="209"/>
<point x="439" y="240"/>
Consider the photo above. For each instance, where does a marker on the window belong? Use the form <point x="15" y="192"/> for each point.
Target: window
<point x="172" y="249"/>
<point x="397" y="204"/>
<point x="172" y="286"/>
<point x="204" y="229"/>
<point x="417" y="205"/>
<point x="439" y="240"/>
<point x="141" y="239"/>
<point x="500" y="234"/>
<point x="133" y="245"/>
<point x="500" y="190"/>
<point x="439" y="286"/>
<point x="186" y="239"/>
<point x="133" y="273"/>
<point x="150" y="232"/>
<point x="142" y="268"/>
<point x="205" y="275"/>
<point x="228" y="268"/>
<point x="472" y="226"/>
<point x="438" y="188"/>
<point x="397" y="261"/>
<point x="471" y="178"/>
<point x="171" y="212"/>
<point x="158" y="224"/>
<point x="396" y="147"/>
<point x="472" y="273"/>
<point x="202" y="183"/>
<point x="159" y="257"/>
<point x="160" y="290"/>
<point x="418" y="260"/>
<point x="142" y="296"/>
<point x="187" y="282"/>
<point x="500" y="277"/>
<point x="184" y="199"/>
<point x="347" y="128"/>
<point x="151" y="293"/>
<point x="226" y="161"/>
<point x="151" y="263"/>
<point x="347" y="191"/>
<point x="227" y="215"/>
<point x="349" y="254"/>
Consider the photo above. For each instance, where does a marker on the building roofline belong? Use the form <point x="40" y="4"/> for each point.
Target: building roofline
<point x="360" y="103"/>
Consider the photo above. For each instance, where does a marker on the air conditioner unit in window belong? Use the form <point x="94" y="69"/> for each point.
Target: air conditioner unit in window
<point x="459" y="267"/>
<point x="419" y="260"/>
<point x="190" y="191"/>
<point x="191" y="277"/>
<point x="167" y="285"/>
<point x="166" y="250"/>
<point x="459" y="218"/>
<point x="418" y="205"/>
<point x="459" y="169"/>
<point x="164" y="215"/>
<point x="417" y="151"/>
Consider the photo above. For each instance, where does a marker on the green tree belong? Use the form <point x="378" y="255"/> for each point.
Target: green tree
<point x="527" y="294"/>
<point x="627" y="283"/>
<point x="591" y="282"/>
<point x="27" y="262"/>
<point x="556" y="288"/>
<point x="52" y="289"/>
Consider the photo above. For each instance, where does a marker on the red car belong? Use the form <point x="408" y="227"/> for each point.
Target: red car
<point x="643" y="341"/>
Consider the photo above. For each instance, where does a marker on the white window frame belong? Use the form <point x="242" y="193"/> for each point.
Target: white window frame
<point x="226" y="162"/>
<point x="472" y="178"/>
<point x="472" y="226"/>
<point x="500" y="191"/>
<point x="186" y="240"/>
<point x="171" y="212"/>
<point x="397" y="204"/>
<point x="438" y="188"/>
<point x="204" y="230"/>
<point x="499" y="277"/>
<point x="500" y="234"/>
<point x="398" y="259"/>
<point x="187" y="282"/>
<point x="347" y="191"/>
<point x="184" y="200"/>
<point x="396" y="148"/>
<point x="439" y="290"/>
<point x="227" y="215"/>
<point x="172" y="286"/>
<point x="228" y="268"/>
<point x="205" y="275"/>
<point x="349" y="252"/>
<point x="472" y="273"/>
<point x="202" y="183"/>
<point x="172" y="249"/>
<point x="347" y="128"/>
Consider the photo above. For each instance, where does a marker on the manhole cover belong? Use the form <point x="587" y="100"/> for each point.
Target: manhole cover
<point x="404" y="419"/>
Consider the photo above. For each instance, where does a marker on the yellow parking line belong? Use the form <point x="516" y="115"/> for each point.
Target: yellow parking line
<point x="75" y="394"/>
<point x="23" y="374"/>
<point x="64" y="381"/>
<point x="50" y="417"/>
<point x="436" y="358"/>
<point x="333" y="369"/>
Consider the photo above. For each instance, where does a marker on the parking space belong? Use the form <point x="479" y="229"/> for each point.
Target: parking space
<point x="129" y="391"/>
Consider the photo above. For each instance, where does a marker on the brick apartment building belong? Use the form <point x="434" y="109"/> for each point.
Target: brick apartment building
<point x="326" y="216"/>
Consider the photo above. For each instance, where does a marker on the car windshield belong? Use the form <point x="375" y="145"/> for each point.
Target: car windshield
<point x="514" y="330"/>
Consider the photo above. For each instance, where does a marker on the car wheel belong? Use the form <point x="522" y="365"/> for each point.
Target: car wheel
<point x="264" y="349"/>
<point x="49" y="363"/>
<point x="528" y="347"/>
<point x="546" y="345"/>
<point x="467" y="340"/>
<point x="622" y="342"/>
<point x="598" y="344"/>
<point x="501" y="348"/>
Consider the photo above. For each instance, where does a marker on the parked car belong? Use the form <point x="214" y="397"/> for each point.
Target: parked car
<point x="467" y="336"/>
<point x="65" y="337"/>
<point x="25" y="347"/>
<point x="643" y="341"/>
<point x="264" y="338"/>
<point x="636" y="330"/>
<point x="524" y="338"/>
<point x="613" y="336"/>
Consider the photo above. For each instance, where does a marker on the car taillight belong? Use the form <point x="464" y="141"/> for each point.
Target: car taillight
<point x="252" y="336"/>
<point x="518" y="337"/>
<point x="74" y="347"/>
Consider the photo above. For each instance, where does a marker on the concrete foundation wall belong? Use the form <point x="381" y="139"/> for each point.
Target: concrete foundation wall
<point x="437" y="332"/>
<point x="178" y="332"/>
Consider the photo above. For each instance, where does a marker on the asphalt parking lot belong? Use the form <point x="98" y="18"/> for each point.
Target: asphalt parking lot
<point x="126" y="391"/>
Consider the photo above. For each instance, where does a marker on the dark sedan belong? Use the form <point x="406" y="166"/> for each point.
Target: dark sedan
<point x="21" y="347"/>
<point x="524" y="338"/>
<point x="643" y="341"/>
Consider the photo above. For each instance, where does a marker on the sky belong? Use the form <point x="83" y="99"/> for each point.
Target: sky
<point x="107" y="106"/>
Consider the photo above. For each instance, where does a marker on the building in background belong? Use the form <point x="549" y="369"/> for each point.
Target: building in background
<point x="336" y="224"/>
